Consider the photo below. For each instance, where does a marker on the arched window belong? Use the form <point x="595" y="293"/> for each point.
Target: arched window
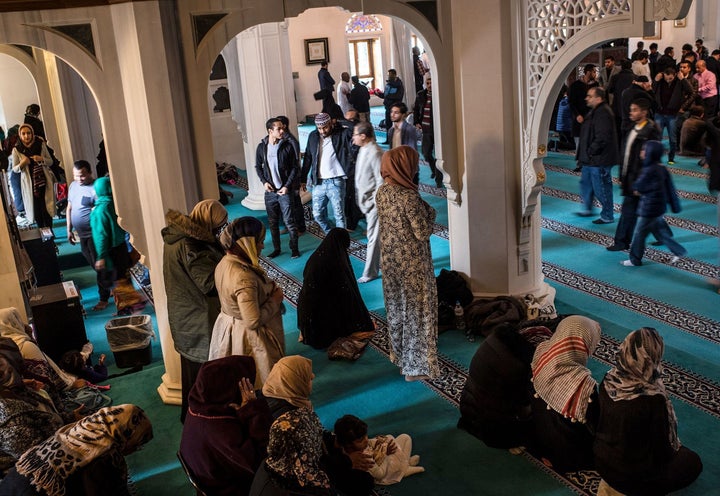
<point x="360" y="23"/>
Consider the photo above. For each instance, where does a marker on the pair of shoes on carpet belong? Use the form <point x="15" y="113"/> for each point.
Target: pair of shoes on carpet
<point x="274" y="254"/>
<point x="628" y="263"/>
<point x="577" y="169"/>
<point x="295" y="254"/>
<point x="615" y="247"/>
<point x="100" y="306"/>
<point x="364" y="279"/>
<point x="584" y="213"/>
<point x="602" y="221"/>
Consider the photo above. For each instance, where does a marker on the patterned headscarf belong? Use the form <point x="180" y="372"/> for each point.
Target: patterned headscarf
<point x="399" y="166"/>
<point x="210" y="214"/>
<point x="291" y="380"/>
<point x="637" y="372"/>
<point x="115" y="430"/>
<point x="11" y="365"/>
<point x="294" y="451"/>
<point x="244" y="232"/>
<point x="559" y="371"/>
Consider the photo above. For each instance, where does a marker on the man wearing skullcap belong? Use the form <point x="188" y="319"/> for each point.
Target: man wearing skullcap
<point x="327" y="162"/>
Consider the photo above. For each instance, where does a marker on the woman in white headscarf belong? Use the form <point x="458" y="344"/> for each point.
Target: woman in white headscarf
<point x="565" y="404"/>
<point x="637" y="450"/>
<point x="250" y="320"/>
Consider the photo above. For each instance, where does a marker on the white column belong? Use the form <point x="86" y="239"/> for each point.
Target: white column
<point x="267" y="91"/>
<point x="402" y="59"/>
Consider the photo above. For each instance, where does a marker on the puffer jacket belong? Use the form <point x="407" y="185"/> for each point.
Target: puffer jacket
<point x="656" y="189"/>
<point x="190" y="256"/>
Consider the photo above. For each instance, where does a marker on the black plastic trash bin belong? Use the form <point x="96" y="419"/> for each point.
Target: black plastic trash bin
<point x="130" y="340"/>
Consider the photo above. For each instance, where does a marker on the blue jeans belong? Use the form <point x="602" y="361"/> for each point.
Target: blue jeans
<point x="329" y="191"/>
<point x="597" y="181"/>
<point x="661" y="230"/>
<point x="16" y="191"/>
<point x="668" y="122"/>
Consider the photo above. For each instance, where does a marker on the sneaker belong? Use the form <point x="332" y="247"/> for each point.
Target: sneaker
<point x="675" y="259"/>
<point x="671" y="162"/>
<point x="295" y="254"/>
<point x="657" y="243"/>
<point x="615" y="247"/>
<point x="602" y="221"/>
<point x="274" y="254"/>
<point x="577" y="169"/>
<point x="365" y="279"/>
<point x="22" y="221"/>
<point x="627" y="263"/>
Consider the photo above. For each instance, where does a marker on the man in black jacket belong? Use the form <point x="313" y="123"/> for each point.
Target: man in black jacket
<point x="277" y="167"/>
<point x="597" y="153"/>
<point x="328" y="163"/>
<point x="423" y="118"/>
<point x="619" y="83"/>
<point x="360" y="99"/>
<point x="643" y="130"/>
<point x="673" y="96"/>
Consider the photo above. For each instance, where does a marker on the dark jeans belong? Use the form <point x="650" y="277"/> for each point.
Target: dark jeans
<point x="668" y="122"/>
<point x="42" y="217"/>
<point x="105" y="284"/>
<point x="596" y="181"/>
<point x="276" y="206"/>
<point x="661" y="230"/>
<point x="628" y="219"/>
<point x="17" y="192"/>
<point x="189" y="371"/>
<point x="710" y="105"/>
<point x="298" y="211"/>
<point x="428" y="150"/>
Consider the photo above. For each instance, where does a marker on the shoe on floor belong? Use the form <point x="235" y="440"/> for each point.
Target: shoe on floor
<point x="671" y="162"/>
<point x="657" y="243"/>
<point x="602" y="221"/>
<point x="274" y="254"/>
<point x="284" y="231"/>
<point x="364" y="279"/>
<point x="101" y="305"/>
<point x="295" y="254"/>
<point x="628" y="263"/>
<point x="584" y="213"/>
<point x="615" y="247"/>
<point x="577" y="169"/>
<point x="675" y="259"/>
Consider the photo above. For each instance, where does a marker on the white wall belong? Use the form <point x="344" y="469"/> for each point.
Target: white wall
<point x="697" y="25"/>
<point x="329" y="22"/>
<point x="17" y="91"/>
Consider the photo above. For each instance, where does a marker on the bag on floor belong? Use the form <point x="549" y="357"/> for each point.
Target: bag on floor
<point x="541" y="304"/>
<point x="125" y="295"/>
<point x="349" y="347"/>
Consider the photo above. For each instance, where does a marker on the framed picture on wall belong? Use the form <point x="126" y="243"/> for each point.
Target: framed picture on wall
<point x="316" y="50"/>
<point x="657" y="32"/>
<point x="680" y="23"/>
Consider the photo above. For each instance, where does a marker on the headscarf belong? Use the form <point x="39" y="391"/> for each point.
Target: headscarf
<point x="559" y="371"/>
<point x="244" y="232"/>
<point x="115" y="430"/>
<point x="12" y="326"/>
<point x="216" y="386"/>
<point x="295" y="449"/>
<point x="291" y="380"/>
<point x="11" y="366"/>
<point x="653" y="152"/>
<point x="399" y="166"/>
<point x="638" y="372"/>
<point x="328" y="276"/>
<point x="210" y="214"/>
<point x="34" y="148"/>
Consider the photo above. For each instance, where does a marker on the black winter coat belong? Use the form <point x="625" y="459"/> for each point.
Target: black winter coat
<point x="656" y="189"/>
<point x="629" y="172"/>
<point x="598" y="139"/>
<point x="342" y="143"/>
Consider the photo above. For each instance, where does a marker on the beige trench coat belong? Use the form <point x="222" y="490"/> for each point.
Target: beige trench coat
<point x="250" y="322"/>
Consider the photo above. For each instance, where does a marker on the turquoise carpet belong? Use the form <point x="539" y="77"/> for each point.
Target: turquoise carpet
<point x="588" y="279"/>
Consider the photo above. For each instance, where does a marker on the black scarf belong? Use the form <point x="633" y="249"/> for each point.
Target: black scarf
<point x="36" y="170"/>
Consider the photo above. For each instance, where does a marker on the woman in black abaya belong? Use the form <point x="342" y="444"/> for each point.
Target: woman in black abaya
<point x="330" y="305"/>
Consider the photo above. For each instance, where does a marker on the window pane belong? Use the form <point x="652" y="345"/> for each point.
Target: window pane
<point x="364" y="58"/>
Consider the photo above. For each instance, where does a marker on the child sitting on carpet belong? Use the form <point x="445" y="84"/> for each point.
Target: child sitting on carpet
<point x="78" y="363"/>
<point x="391" y="460"/>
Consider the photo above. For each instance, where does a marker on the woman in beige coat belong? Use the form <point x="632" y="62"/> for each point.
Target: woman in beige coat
<point x="250" y="320"/>
<point x="32" y="160"/>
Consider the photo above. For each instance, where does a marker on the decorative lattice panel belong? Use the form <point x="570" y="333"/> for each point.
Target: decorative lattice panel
<point x="359" y="23"/>
<point x="551" y="24"/>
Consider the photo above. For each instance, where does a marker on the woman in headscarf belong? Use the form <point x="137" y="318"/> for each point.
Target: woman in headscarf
<point x="293" y="465"/>
<point x="225" y="435"/>
<point x="26" y="416"/>
<point x="330" y="305"/>
<point x="112" y="254"/>
<point x="289" y="384"/>
<point x="32" y="160"/>
<point x="637" y="450"/>
<point x="250" y="320"/>
<point x="82" y="458"/>
<point x="191" y="253"/>
<point x="565" y="404"/>
<point x="406" y="223"/>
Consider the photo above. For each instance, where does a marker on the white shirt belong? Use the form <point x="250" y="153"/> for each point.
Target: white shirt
<point x="272" y="158"/>
<point x="329" y="165"/>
